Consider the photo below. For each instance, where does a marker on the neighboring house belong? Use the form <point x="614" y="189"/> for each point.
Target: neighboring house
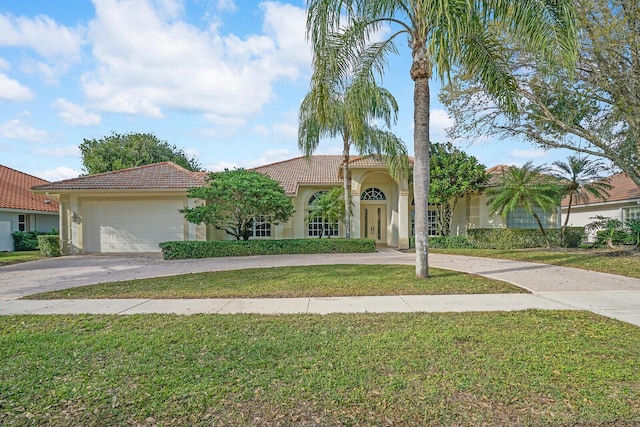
<point x="132" y="210"/>
<point x="623" y="203"/>
<point x="20" y="209"/>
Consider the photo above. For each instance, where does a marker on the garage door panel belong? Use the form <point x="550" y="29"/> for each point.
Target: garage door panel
<point x="131" y="226"/>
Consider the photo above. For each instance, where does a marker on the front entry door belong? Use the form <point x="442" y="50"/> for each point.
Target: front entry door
<point x="374" y="223"/>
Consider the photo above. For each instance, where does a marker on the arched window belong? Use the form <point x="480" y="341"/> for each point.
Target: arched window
<point x="373" y="193"/>
<point x="316" y="226"/>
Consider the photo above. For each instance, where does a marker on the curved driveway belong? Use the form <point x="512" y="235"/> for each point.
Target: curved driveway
<point x="607" y="294"/>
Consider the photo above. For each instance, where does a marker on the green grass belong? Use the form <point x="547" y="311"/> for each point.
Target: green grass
<point x="8" y="258"/>
<point x="305" y="281"/>
<point x="622" y="262"/>
<point x="517" y="368"/>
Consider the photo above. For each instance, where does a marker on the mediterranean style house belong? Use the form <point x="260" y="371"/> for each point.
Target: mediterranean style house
<point x="20" y="209"/>
<point x="133" y="210"/>
<point x="623" y="203"/>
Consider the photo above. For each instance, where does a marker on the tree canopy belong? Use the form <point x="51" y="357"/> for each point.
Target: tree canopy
<point x="121" y="151"/>
<point x="442" y="35"/>
<point x="593" y="109"/>
<point x="453" y="175"/>
<point x="234" y="200"/>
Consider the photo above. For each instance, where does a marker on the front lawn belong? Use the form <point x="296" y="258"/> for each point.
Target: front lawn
<point x="304" y="281"/>
<point x="622" y="262"/>
<point x="8" y="258"/>
<point x="529" y="368"/>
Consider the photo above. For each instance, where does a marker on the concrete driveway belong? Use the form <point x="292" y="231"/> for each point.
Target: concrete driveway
<point x="551" y="286"/>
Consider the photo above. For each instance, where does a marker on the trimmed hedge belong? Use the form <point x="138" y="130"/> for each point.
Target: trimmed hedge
<point x="49" y="245"/>
<point x="519" y="238"/>
<point x="445" y="242"/>
<point x="28" y="240"/>
<point x="223" y="248"/>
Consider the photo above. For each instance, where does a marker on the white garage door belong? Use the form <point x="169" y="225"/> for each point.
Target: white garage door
<point x="131" y="225"/>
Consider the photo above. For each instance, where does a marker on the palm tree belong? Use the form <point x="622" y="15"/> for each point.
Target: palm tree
<point x="580" y="179"/>
<point x="528" y="187"/>
<point x="349" y="115"/>
<point x="447" y="35"/>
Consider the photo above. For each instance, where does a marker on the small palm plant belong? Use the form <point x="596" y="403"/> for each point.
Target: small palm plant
<point x="330" y="208"/>
<point x="527" y="187"/>
<point x="580" y="179"/>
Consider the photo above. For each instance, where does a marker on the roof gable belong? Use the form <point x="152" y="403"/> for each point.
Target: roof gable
<point x="157" y="176"/>
<point x="15" y="194"/>
<point x="302" y="170"/>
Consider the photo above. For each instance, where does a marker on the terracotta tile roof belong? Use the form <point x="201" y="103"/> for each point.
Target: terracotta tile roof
<point x="165" y="175"/>
<point x="299" y="171"/>
<point x="15" y="194"/>
<point x="623" y="188"/>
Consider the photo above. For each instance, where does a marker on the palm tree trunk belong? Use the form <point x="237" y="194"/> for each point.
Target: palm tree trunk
<point x="544" y="234"/>
<point x="563" y="230"/>
<point x="347" y="185"/>
<point x="420" y="73"/>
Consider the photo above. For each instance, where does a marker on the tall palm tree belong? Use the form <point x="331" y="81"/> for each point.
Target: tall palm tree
<point x="528" y="187"/>
<point x="447" y="35"/>
<point x="580" y="179"/>
<point x="351" y="111"/>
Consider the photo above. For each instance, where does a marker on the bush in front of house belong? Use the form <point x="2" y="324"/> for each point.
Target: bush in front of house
<point x="49" y="245"/>
<point x="445" y="242"/>
<point x="519" y="238"/>
<point x="224" y="248"/>
<point x="28" y="240"/>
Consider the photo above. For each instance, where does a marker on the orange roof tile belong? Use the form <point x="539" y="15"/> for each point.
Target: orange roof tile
<point x="157" y="176"/>
<point x="623" y="188"/>
<point x="301" y="170"/>
<point x="15" y="194"/>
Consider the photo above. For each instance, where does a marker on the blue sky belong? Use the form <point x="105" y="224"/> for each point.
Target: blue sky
<point x="221" y="79"/>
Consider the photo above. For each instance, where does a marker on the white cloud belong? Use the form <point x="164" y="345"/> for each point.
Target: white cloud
<point x="220" y="166"/>
<point x="285" y="131"/>
<point x="41" y="34"/>
<point x="439" y="122"/>
<point x="68" y="151"/>
<point x="12" y="90"/>
<point x="227" y="6"/>
<point x="59" y="173"/>
<point x="74" y="114"/>
<point x="528" y="154"/>
<point x="16" y="129"/>
<point x="147" y="64"/>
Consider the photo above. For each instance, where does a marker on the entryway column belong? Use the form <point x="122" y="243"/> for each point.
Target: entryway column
<point x="403" y="220"/>
<point x="355" y="212"/>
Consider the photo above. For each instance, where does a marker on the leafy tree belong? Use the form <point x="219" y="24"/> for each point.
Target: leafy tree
<point x="121" y="151"/>
<point x="330" y="207"/>
<point x="581" y="178"/>
<point x="453" y="175"/>
<point x="527" y="187"/>
<point x="233" y="200"/>
<point x="443" y="34"/>
<point x="349" y="114"/>
<point x="593" y="109"/>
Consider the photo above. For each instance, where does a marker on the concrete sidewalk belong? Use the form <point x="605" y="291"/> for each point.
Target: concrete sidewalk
<point x="551" y="287"/>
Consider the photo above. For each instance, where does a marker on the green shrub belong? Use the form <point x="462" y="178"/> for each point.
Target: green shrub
<point x="28" y="240"/>
<point x="49" y="245"/>
<point x="511" y="238"/>
<point x="450" y="242"/>
<point x="573" y="236"/>
<point x="223" y="248"/>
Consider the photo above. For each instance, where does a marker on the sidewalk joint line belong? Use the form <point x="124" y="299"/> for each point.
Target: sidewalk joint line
<point x="134" y="306"/>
